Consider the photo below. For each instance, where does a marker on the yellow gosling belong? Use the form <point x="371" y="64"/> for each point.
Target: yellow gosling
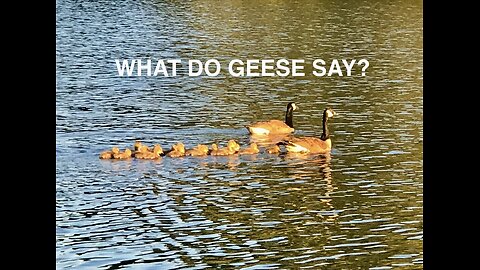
<point x="109" y="154"/>
<point x="137" y="145"/>
<point x="157" y="151"/>
<point x="123" y="155"/>
<point x="252" y="149"/>
<point x="178" y="150"/>
<point x="199" y="150"/>
<point x="232" y="148"/>
<point x="214" y="147"/>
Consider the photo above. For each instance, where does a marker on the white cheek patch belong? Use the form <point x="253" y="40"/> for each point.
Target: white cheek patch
<point x="294" y="106"/>
<point x="329" y="113"/>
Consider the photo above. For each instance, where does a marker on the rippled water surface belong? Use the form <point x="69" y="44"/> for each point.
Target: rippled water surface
<point x="359" y="208"/>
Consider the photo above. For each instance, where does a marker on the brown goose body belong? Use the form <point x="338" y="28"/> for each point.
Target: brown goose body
<point x="270" y="127"/>
<point x="312" y="145"/>
<point x="274" y="126"/>
<point x="309" y="145"/>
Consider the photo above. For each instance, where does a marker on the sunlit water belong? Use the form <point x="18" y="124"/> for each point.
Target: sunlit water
<point x="360" y="208"/>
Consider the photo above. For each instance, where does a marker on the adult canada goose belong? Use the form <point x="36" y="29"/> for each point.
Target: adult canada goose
<point x="199" y="150"/>
<point x="123" y="155"/>
<point x="178" y="150"/>
<point x="250" y="150"/>
<point x="275" y="126"/>
<point x="109" y="154"/>
<point x="157" y="151"/>
<point x="312" y="145"/>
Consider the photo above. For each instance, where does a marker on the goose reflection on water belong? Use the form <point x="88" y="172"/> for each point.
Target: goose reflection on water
<point x="308" y="166"/>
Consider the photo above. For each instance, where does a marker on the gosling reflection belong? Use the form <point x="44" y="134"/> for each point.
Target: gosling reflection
<point x="117" y="165"/>
<point x="232" y="163"/>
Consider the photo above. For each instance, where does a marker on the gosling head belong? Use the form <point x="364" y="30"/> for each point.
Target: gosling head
<point x="203" y="148"/>
<point x="137" y="145"/>
<point x="233" y="145"/>
<point x="157" y="149"/>
<point x="179" y="147"/>
<point x="142" y="148"/>
<point x="214" y="147"/>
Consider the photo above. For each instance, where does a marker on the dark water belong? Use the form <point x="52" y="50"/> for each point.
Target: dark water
<point x="360" y="208"/>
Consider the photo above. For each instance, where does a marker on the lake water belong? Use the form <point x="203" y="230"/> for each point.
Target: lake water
<point x="359" y="208"/>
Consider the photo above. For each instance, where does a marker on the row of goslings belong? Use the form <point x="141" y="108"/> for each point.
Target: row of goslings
<point x="142" y="151"/>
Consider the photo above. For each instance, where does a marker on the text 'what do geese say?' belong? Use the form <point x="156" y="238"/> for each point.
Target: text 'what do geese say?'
<point x="240" y="68"/>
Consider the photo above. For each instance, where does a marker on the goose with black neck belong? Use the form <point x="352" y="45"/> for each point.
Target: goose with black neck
<point x="275" y="127"/>
<point x="312" y="145"/>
